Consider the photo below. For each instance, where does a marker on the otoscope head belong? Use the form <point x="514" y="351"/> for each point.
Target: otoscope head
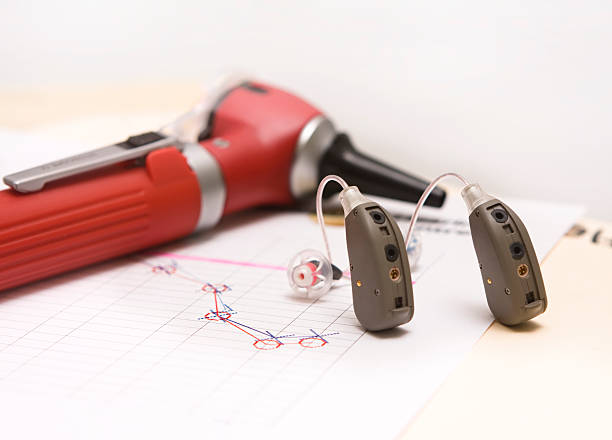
<point x="261" y="122"/>
<point x="372" y="176"/>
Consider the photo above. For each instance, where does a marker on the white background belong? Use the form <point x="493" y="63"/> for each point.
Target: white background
<point x="514" y="94"/>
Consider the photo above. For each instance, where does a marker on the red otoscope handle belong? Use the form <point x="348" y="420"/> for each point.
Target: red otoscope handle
<point x="94" y="217"/>
<point x="245" y="161"/>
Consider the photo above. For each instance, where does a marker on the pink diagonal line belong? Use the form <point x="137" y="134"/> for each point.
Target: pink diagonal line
<point x="218" y="261"/>
<point x="224" y="261"/>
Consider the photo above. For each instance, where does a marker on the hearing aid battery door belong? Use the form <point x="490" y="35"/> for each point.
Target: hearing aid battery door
<point x="380" y="273"/>
<point x="508" y="263"/>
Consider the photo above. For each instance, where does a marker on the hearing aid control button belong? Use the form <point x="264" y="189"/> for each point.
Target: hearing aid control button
<point x="378" y="217"/>
<point x="391" y="252"/>
<point x="499" y="215"/>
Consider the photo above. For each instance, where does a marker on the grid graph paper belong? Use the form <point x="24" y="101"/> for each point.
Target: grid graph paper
<point x="210" y="326"/>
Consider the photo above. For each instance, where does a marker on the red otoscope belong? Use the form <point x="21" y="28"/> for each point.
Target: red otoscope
<point x="248" y="145"/>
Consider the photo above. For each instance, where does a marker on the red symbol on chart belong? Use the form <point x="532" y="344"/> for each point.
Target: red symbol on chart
<point x="312" y="342"/>
<point x="217" y="316"/>
<point x="266" y="344"/>
<point x="168" y="269"/>
<point x="218" y="288"/>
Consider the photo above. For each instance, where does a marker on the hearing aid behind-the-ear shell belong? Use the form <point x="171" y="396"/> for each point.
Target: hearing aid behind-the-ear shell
<point x="380" y="272"/>
<point x="508" y="264"/>
<point x="379" y="268"/>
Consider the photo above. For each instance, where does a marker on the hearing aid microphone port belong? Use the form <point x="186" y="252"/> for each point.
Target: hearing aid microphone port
<point x="395" y="274"/>
<point x="499" y="215"/>
<point x="391" y="252"/>
<point x="378" y="217"/>
<point x="517" y="250"/>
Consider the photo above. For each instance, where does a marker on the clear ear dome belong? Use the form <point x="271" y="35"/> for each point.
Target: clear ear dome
<point x="414" y="249"/>
<point x="310" y="273"/>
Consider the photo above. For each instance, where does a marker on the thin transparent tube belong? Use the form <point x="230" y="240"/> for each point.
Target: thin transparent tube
<point x="325" y="181"/>
<point x="424" y="196"/>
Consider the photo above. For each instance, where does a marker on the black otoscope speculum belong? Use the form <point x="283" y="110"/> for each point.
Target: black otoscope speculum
<point x="372" y="176"/>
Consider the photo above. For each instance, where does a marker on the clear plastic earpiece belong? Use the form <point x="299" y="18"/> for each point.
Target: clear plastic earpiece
<point x="310" y="273"/>
<point x="414" y="249"/>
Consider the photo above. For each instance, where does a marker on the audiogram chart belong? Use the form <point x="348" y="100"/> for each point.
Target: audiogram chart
<point x="220" y="337"/>
<point x="221" y="312"/>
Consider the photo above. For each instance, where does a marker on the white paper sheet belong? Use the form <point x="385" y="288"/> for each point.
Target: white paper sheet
<point x="135" y="347"/>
